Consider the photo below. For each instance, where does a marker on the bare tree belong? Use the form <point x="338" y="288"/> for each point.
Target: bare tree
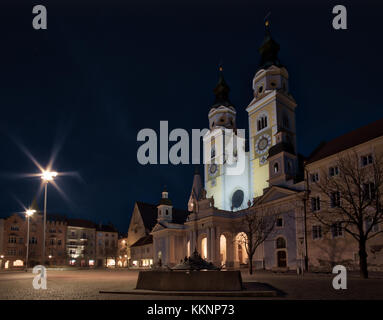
<point x="256" y="226"/>
<point x="351" y="197"/>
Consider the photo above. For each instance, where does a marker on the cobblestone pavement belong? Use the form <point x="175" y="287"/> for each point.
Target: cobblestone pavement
<point x="86" y="284"/>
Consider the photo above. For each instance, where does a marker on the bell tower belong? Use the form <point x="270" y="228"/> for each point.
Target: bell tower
<point x="272" y="110"/>
<point x="165" y="208"/>
<point x="230" y="192"/>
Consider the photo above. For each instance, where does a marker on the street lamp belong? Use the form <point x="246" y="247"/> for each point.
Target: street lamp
<point x="46" y="176"/>
<point x="28" y="213"/>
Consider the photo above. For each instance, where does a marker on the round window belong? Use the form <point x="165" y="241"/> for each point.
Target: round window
<point x="237" y="199"/>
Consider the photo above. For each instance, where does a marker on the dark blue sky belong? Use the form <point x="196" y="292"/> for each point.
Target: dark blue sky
<point x="106" y="69"/>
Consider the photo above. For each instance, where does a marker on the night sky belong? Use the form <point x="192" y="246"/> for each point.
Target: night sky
<point x="106" y="69"/>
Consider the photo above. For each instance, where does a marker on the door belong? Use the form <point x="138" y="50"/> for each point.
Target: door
<point x="281" y="255"/>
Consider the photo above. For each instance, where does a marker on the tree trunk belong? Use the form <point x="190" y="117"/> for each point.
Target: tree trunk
<point x="363" y="259"/>
<point x="250" y="265"/>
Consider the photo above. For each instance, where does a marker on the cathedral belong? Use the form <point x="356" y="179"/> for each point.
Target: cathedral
<point x="212" y="225"/>
<point x="274" y="182"/>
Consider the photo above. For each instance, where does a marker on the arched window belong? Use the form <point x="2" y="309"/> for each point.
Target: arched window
<point x="276" y="167"/>
<point x="262" y="122"/>
<point x="281" y="243"/>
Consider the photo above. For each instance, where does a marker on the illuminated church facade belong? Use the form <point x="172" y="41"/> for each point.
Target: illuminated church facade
<point x="274" y="182"/>
<point x="217" y="205"/>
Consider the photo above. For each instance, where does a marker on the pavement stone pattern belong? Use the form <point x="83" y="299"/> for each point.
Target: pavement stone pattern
<point x="86" y="284"/>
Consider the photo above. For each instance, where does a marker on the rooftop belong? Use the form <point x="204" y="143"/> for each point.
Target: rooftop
<point x="347" y="141"/>
<point x="143" y="241"/>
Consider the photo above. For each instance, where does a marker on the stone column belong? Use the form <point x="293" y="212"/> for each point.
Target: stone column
<point x="172" y="249"/>
<point x="155" y="249"/>
<point x="191" y="241"/>
<point x="218" y="246"/>
<point x="213" y="245"/>
<point x="230" y="251"/>
<point x="194" y="244"/>
<point x="166" y="254"/>
<point x="184" y="245"/>
<point x="208" y="244"/>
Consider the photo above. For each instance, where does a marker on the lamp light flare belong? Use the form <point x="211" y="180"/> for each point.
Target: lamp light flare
<point x="48" y="175"/>
<point x="30" y="212"/>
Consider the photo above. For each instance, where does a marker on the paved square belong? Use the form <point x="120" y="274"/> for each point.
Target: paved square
<point x="86" y="284"/>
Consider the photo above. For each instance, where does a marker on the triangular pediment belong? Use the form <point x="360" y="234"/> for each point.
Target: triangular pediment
<point x="276" y="193"/>
<point x="158" y="227"/>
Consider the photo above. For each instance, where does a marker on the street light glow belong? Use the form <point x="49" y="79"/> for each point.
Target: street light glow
<point x="30" y="212"/>
<point x="48" y="175"/>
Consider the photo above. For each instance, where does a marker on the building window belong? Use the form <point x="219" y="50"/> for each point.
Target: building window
<point x="369" y="190"/>
<point x="281" y="243"/>
<point x="366" y="160"/>
<point x="21" y="240"/>
<point x="33" y="240"/>
<point x="315" y="203"/>
<point x="12" y="239"/>
<point x="335" y="199"/>
<point x="262" y="122"/>
<point x="59" y="242"/>
<point x="279" y="222"/>
<point x="317" y="232"/>
<point x="276" y="167"/>
<point x="314" y="177"/>
<point x="14" y="228"/>
<point x="51" y="241"/>
<point x="368" y="224"/>
<point x="212" y="152"/>
<point x="333" y="171"/>
<point x="12" y="252"/>
<point x="337" y="230"/>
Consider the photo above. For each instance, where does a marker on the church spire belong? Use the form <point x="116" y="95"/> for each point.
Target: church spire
<point x="221" y="91"/>
<point x="196" y="192"/>
<point x="269" y="48"/>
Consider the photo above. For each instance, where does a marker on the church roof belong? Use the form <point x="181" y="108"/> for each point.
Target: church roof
<point x="148" y="239"/>
<point x="197" y="185"/>
<point x="149" y="214"/>
<point x="347" y="141"/>
<point x="221" y="92"/>
<point x="269" y="50"/>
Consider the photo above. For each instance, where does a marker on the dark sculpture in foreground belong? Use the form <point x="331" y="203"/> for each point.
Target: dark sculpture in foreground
<point x="195" y="262"/>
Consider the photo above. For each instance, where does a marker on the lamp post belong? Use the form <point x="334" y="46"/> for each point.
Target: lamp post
<point x="28" y="213"/>
<point x="46" y="176"/>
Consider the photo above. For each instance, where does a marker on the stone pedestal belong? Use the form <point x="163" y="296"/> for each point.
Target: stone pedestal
<point x="190" y="280"/>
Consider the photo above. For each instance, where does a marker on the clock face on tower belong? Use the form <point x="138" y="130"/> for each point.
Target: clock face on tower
<point x="263" y="142"/>
<point x="213" y="169"/>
